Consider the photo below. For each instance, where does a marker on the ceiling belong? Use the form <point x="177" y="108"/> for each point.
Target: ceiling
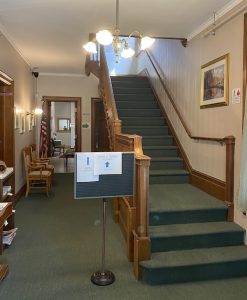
<point x="49" y="34"/>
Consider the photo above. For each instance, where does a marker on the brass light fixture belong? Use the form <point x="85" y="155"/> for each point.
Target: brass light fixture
<point x="35" y="73"/>
<point x="105" y="37"/>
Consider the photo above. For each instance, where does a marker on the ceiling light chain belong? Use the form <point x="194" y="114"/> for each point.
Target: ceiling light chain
<point x="105" y="37"/>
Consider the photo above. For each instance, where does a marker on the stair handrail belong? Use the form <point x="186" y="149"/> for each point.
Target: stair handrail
<point x="215" y="139"/>
<point x="138" y="242"/>
<point x="229" y="141"/>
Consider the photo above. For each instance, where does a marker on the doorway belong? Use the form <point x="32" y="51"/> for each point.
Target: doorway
<point x="7" y="146"/>
<point x="63" y="115"/>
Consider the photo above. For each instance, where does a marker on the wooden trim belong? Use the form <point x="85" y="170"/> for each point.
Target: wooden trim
<point x="244" y="67"/>
<point x="77" y="100"/>
<point x="19" y="194"/>
<point x="4" y="269"/>
<point x="142" y="251"/>
<point x="209" y="184"/>
<point x="216" y="139"/>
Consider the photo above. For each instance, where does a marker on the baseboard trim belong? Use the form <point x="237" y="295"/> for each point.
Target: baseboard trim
<point x="19" y="194"/>
<point x="208" y="184"/>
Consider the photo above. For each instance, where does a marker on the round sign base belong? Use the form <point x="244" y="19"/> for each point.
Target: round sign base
<point x="103" y="278"/>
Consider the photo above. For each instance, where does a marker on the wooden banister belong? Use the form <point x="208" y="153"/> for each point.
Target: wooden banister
<point x="229" y="142"/>
<point x="130" y="212"/>
<point x="215" y="139"/>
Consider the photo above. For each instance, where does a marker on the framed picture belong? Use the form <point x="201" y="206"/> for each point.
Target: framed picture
<point x="29" y="122"/>
<point x="214" y="82"/>
<point x="22" y="123"/>
<point x="33" y="120"/>
<point x="16" y="118"/>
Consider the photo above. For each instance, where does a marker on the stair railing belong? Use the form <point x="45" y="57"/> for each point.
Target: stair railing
<point x="130" y="212"/>
<point x="228" y="141"/>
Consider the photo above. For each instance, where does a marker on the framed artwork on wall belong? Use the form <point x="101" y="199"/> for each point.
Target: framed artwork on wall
<point x="22" y="123"/>
<point x="214" y="82"/>
<point x="17" y="118"/>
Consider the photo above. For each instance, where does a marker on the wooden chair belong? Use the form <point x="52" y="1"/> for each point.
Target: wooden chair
<point x="35" y="156"/>
<point x="36" y="174"/>
<point x="41" y="161"/>
<point x="57" y="147"/>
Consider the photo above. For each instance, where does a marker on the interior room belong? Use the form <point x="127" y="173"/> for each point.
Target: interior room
<point x="122" y="149"/>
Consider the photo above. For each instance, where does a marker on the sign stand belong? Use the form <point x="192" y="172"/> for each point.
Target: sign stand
<point x="104" y="175"/>
<point x="103" y="277"/>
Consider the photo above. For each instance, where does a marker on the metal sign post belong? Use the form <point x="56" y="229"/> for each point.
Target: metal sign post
<point x="103" y="277"/>
<point x="100" y="175"/>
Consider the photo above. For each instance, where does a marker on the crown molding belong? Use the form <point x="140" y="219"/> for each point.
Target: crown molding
<point x="62" y="74"/>
<point x="5" y="33"/>
<point x="235" y="7"/>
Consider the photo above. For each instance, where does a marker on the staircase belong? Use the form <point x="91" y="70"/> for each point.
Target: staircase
<point x="190" y="238"/>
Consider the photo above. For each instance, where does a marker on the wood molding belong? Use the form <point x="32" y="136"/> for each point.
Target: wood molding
<point x="78" y="119"/>
<point x="19" y="194"/>
<point x="244" y="66"/>
<point x="142" y="251"/>
<point x="209" y="184"/>
<point x="4" y="269"/>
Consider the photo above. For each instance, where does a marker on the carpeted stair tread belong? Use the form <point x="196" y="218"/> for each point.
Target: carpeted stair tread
<point x="181" y="197"/>
<point x="134" y="97"/>
<point x="154" y="127"/>
<point x="156" y="159"/>
<point x="171" y="172"/>
<point x="173" y="259"/>
<point x="129" y="78"/>
<point x="132" y="90"/>
<point x="160" y="147"/>
<point x="175" y="230"/>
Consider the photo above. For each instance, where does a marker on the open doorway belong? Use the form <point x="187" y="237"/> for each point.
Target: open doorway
<point x="63" y="115"/>
<point x="7" y="147"/>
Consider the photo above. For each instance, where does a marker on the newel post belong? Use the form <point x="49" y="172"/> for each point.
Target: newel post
<point x="117" y="127"/>
<point x="142" y="245"/>
<point x="229" y="196"/>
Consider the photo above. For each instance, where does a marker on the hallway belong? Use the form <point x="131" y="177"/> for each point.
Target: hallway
<point x="58" y="247"/>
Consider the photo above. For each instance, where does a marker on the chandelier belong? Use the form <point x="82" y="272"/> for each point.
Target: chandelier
<point x="105" y="37"/>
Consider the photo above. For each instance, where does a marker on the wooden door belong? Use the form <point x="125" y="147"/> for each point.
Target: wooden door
<point x="7" y="148"/>
<point x="99" y="134"/>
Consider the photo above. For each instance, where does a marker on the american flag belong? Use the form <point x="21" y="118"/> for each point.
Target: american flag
<point x="43" y="137"/>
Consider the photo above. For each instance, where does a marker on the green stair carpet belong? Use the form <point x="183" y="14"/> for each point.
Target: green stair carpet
<point x="190" y="238"/>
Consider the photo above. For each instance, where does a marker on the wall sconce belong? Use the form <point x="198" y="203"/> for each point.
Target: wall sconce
<point x="38" y="111"/>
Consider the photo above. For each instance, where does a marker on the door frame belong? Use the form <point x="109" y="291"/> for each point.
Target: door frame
<point x="7" y="140"/>
<point x="244" y="65"/>
<point x="47" y="111"/>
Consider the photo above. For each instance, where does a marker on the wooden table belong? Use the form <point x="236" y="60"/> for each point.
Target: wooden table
<point x="68" y="154"/>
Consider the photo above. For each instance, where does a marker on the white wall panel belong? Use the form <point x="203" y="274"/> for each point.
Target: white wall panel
<point x="180" y="68"/>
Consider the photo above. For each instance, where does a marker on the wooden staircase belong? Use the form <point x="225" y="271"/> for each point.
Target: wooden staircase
<point x="190" y="237"/>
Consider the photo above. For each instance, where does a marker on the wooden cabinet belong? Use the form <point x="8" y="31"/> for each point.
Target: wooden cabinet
<point x="6" y="212"/>
<point x="7" y="185"/>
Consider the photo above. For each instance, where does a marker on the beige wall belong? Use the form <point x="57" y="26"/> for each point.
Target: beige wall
<point x="181" y="70"/>
<point x="13" y="65"/>
<point x="72" y="86"/>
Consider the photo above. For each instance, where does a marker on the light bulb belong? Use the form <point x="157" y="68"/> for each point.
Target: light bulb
<point x="38" y="111"/>
<point x="127" y="52"/>
<point x="146" y="42"/>
<point x="90" y="47"/>
<point x="104" y="37"/>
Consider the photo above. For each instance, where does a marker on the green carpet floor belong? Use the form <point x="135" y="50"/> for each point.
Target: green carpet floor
<point x="58" y="247"/>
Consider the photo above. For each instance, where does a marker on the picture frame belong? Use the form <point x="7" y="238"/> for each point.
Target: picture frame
<point x="33" y="119"/>
<point x="22" y="123"/>
<point x="29" y="122"/>
<point x="214" y="82"/>
<point x="16" y="118"/>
